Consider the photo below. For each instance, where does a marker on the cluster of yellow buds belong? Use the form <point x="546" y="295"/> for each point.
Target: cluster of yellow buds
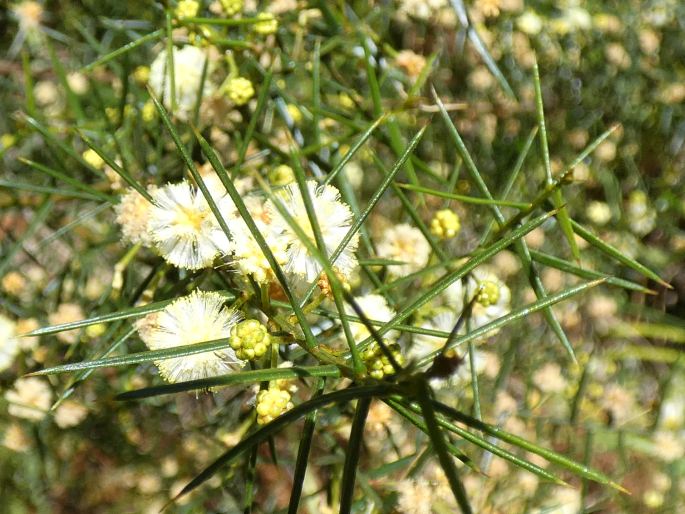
<point x="232" y="7"/>
<point x="281" y="175"/>
<point x="272" y="402"/>
<point x="239" y="90"/>
<point x="488" y="293"/>
<point x="249" y="339"/>
<point x="267" y="24"/>
<point x="445" y="224"/>
<point x="187" y="9"/>
<point x="377" y="363"/>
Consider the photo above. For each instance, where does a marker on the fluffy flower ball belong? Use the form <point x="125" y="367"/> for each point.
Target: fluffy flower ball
<point x="196" y="318"/>
<point x="184" y="228"/>
<point x="334" y="218"/>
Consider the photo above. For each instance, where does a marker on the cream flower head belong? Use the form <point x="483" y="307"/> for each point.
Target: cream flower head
<point x="334" y="218"/>
<point x="197" y="318"/>
<point x="406" y="244"/>
<point x="376" y="308"/>
<point x="29" y="399"/>
<point x="248" y="256"/>
<point x="9" y="342"/>
<point x="133" y="214"/>
<point x="189" y="62"/>
<point x="183" y="227"/>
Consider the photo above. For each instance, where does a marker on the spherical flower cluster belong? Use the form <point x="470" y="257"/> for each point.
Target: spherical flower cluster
<point x="133" y="214"/>
<point x="334" y="218"/>
<point x="445" y="224"/>
<point x="187" y="9"/>
<point x="271" y="403"/>
<point x="247" y="254"/>
<point x="267" y="24"/>
<point x="9" y="342"/>
<point x="406" y="244"/>
<point x="281" y="175"/>
<point x="249" y="339"/>
<point x="641" y="216"/>
<point x="197" y="318"/>
<point x="184" y="228"/>
<point x="376" y="308"/>
<point x="377" y="363"/>
<point x="239" y="90"/>
<point x="29" y="399"/>
<point x="189" y="63"/>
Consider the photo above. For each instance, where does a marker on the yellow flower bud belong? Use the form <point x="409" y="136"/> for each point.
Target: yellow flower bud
<point x="249" y="339"/>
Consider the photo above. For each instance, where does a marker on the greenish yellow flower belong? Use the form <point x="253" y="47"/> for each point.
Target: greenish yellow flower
<point x="239" y="90"/>
<point x="281" y="175"/>
<point x="187" y="9"/>
<point x="141" y="74"/>
<point x="232" y="7"/>
<point x="268" y="24"/>
<point x="445" y="224"/>
<point x="488" y="294"/>
<point x="7" y="140"/>
<point x="295" y="113"/>
<point x="148" y="112"/>
<point x="249" y="339"/>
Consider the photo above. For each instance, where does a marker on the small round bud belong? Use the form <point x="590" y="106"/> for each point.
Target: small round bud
<point x="249" y="339"/>
<point x="445" y="224"/>
<point x="239" y="90"/>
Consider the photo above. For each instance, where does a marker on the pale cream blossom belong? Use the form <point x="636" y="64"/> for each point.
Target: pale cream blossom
<point x="184" y="228"/>
<point x="15" y="438"/>
<point x="376" y="308"/>
<point x="70" y="413"/>
<point x="197" y="318"/>
<point x="30" y="398"/>
<point x="66" y="313"/>
<point x="549" y="378"/>
<point x="9" y="342"/>
<point x="189" y="61"/>
<point x="406" y="244"/>
<point x="247" y="254"/>
<point x="334" y="218"/>
<point x="133" y="214"/>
